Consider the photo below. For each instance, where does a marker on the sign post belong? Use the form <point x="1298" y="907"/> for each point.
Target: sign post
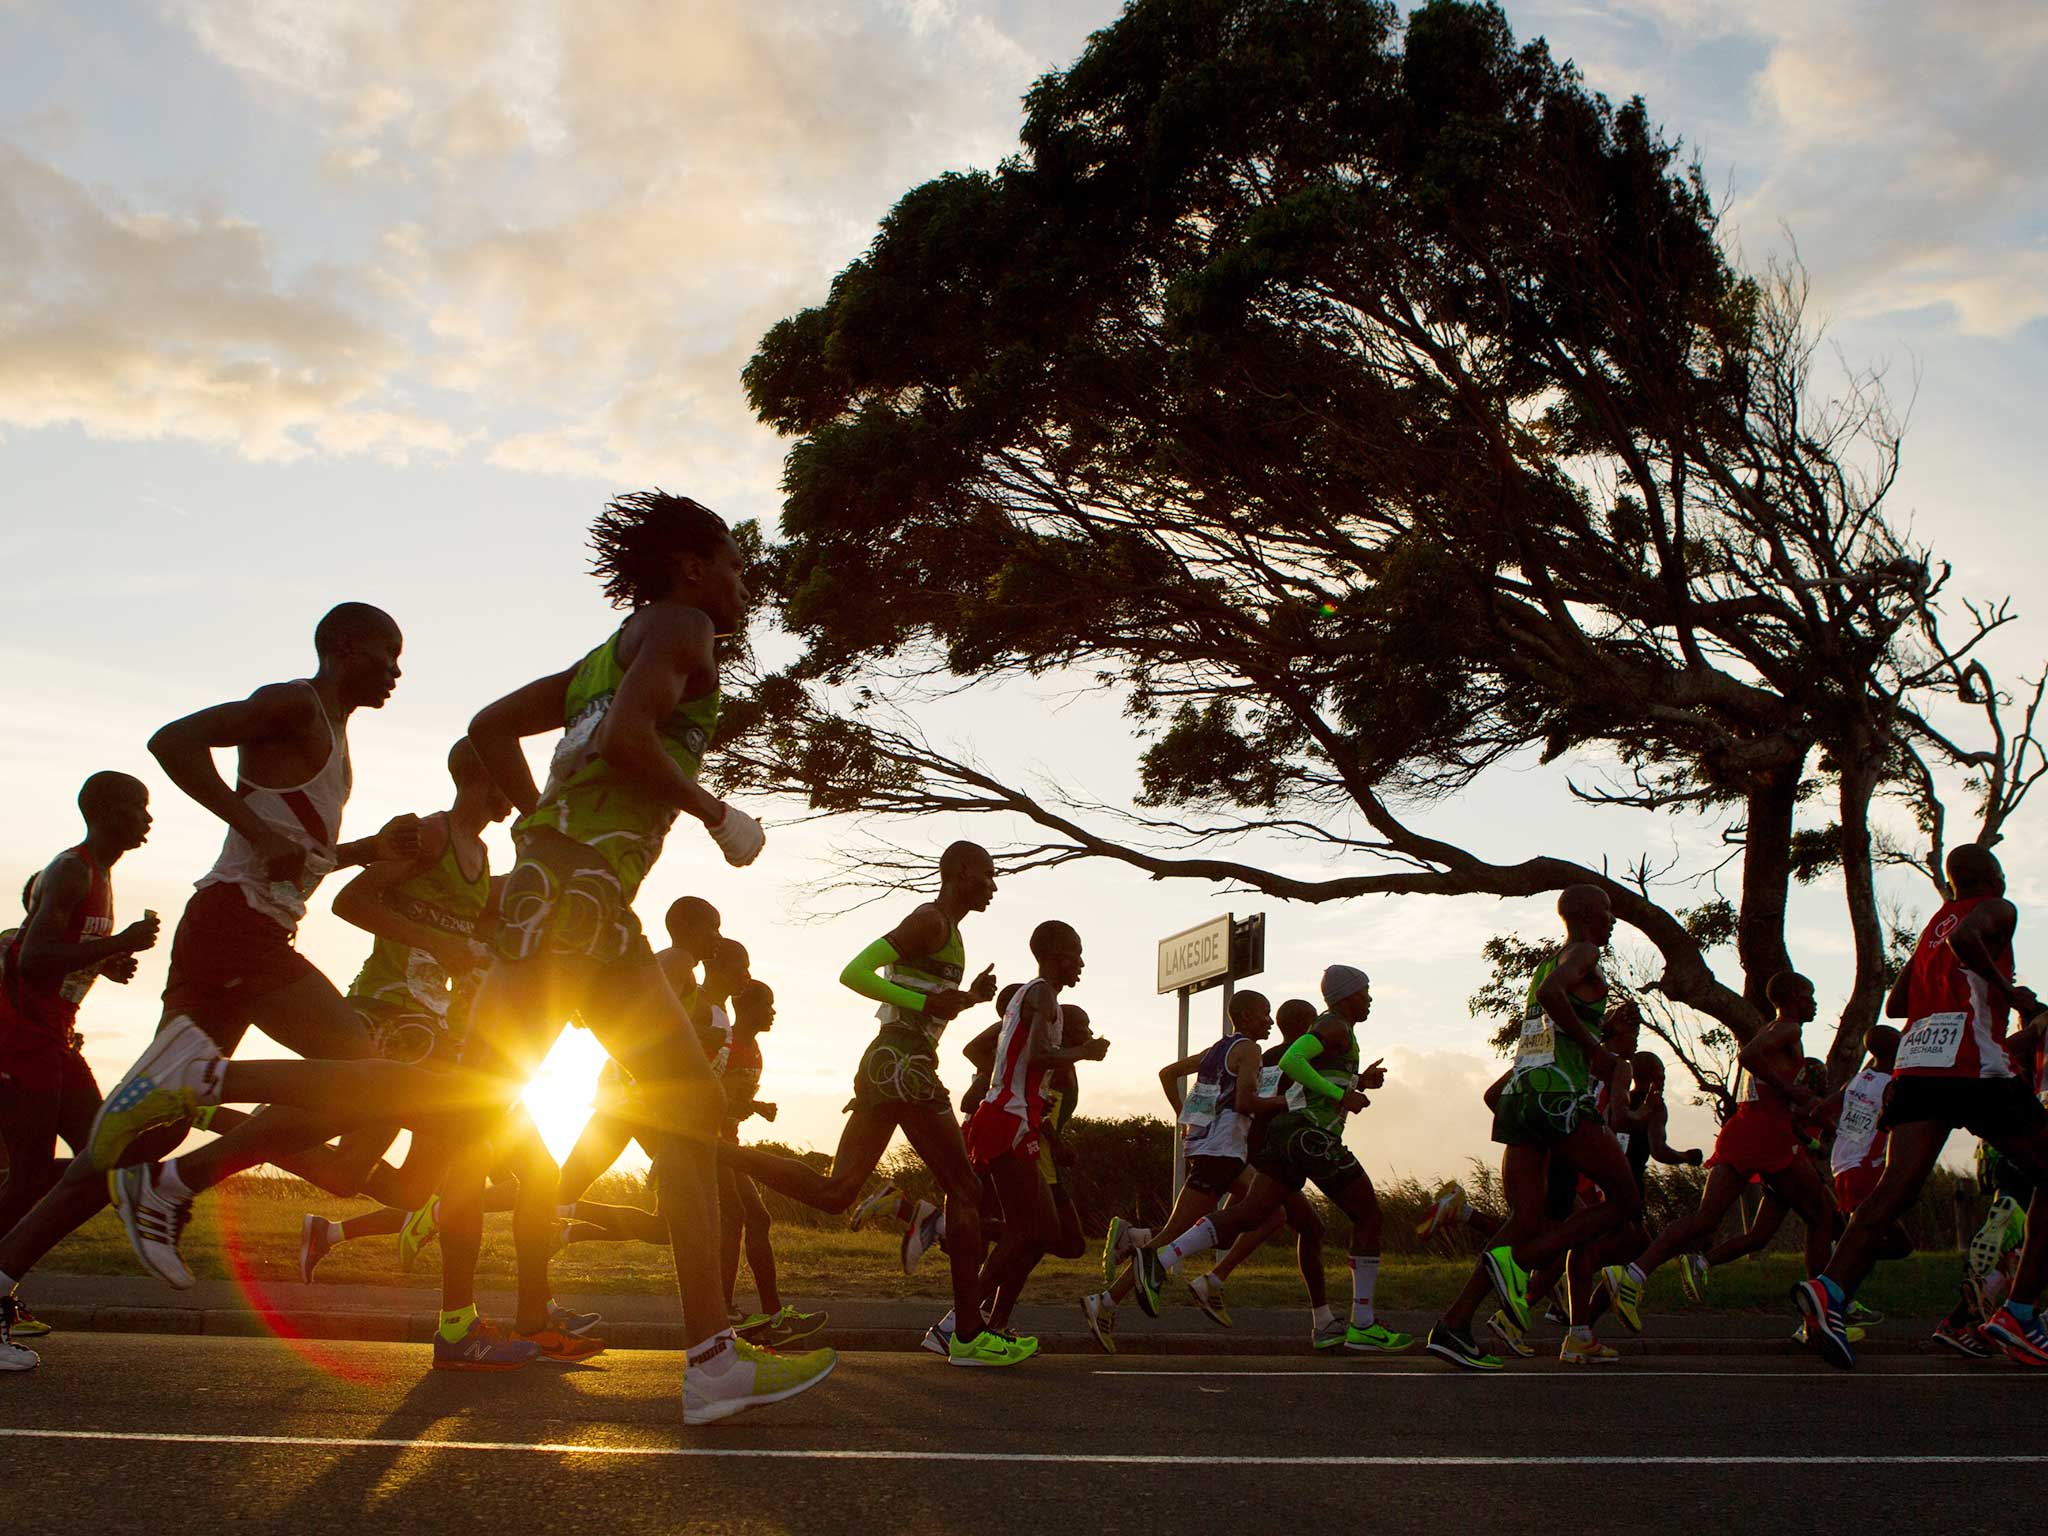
<point x="1219" y="952"/>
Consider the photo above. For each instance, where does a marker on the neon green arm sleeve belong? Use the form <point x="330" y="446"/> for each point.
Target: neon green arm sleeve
<point x="863" y="974"/>
<point x="1295" y="1063"/>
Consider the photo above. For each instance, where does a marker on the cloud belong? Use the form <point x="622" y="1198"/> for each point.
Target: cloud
<point x="150" y="323"/>
<point x="609" y="202"/>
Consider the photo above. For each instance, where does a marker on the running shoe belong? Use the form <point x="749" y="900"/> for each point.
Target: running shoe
<point x="1590" y="1352"/>
<point x="938" y="1339"/>
<point x="316" y="1237"/>
<point x="482" y="1347"/>
<point x="1328" y="1335"/>
<point x="1378" y="1339"/>
<point x="1447" y="1209"/>
<point x="1626" y="1292"/>
<point x="1822" y="1305"/>
<point x="1146" y="1272"/>
<point x="419" y="1230"/>
<point x="883" y="1199"/>
<point x="2024" y="1343"/>
<point x="560" y="1317"/>
<point x="1099" y="1312"/>
<point x="790" y="1326"/>
<point x="751" y="1378"/>
<point x="25" y="1324"/>
<point x="1860" y="1314"/>
<point x="554" y="1344"/>
<point x="18" y="1357"/>
<point x="1976" y="1299"/>
<point x="1208" y="1293"/>
<point x="1852" y="1333"/>
<point x="989" y="1348"/>
<point x="1963" y="1340"/>
<point x="180" y="1071"/>
<point x="1510" y="1283"/>
<point x="1554" y="1310"/>
<point x="1503" y="1328"/>
<point x="1447" y="1343"/>
<point x="153" y="1220"/>
<point x="1116" y="1247"/>
<point x="922" y="1232"/>
<point x="1692" y="1277"/>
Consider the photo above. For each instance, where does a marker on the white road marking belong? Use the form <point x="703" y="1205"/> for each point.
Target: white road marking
<point x="1131" y="1459"/>
<point x="1619" y="1373"/>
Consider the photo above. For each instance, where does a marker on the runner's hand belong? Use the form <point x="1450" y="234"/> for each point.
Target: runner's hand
<point x="947" y="1004"/>
<point x="139" y="935"/>
<point x="1695" y="1158"/>
<point x="279" y="857"/>
<point x="1374" y="1076"/>
<point x="1353" y="1101"/>
<point x="398" y="838"/>
<point x="984" y="988"/>
<point x="738" y="835"/>
<point x="119" y="968"/>
<point x="1095" y="1049"/>
<point x="764" y="1109"/>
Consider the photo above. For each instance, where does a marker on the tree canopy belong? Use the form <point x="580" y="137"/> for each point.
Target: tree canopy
<point x="1369" y="402"/>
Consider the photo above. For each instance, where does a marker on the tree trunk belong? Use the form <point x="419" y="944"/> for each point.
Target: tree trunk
<point x="1859" y="883"/>
<point x="1766" y="883"/>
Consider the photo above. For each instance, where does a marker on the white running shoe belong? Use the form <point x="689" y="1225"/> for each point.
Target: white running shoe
<point x="750" y="1378"/>
<point x="154" y="1221"/>
<point x="927" y="1226"/>
<point x="316" y="1237"/>
<point x="881" y="1201"/>
<point x="174" y="1077"/>
<point x="1448" y="1208"/>
<point x="18" y="1357"/>
<point x="1207" y="1291"/>
<point x="938" y="1339"/>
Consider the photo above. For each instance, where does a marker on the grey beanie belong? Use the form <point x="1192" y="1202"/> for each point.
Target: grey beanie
<point x="1342" y="981"/>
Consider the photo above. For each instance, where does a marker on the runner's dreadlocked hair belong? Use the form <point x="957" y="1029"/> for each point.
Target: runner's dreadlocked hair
<point x="638" y="537"/>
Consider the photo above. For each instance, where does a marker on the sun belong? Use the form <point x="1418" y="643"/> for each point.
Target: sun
<point x="560" y="1096"/>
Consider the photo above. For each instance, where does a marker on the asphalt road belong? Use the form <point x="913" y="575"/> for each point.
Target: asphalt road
<point x="161" y="1434"/>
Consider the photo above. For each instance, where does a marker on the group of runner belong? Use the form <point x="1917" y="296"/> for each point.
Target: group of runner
<point x="471" y="978"/>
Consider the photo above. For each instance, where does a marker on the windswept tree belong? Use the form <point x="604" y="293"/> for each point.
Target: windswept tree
<point x="1370" y="403"/>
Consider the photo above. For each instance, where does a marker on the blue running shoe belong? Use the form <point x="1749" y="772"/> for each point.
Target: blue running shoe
<point x="1826" y="1329"/>
<point x="483" y="1348"/>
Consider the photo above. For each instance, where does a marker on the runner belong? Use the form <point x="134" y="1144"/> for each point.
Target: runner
<point x="1759" y="1140"/>
<point x="692" y="925"/>
<point x="914" y="972"/>
<point x="1953" y="1072"/>
<point x="1002" y="1135"/>
<point x="1547" y="1113"/>
<point x="743" y="1218"/>
<point x="65" y="943"/>
<point x="1992" y="1253"/>
<point x="232" y="960"/>
<point x="1215" y="1120"/>
<point x="1306" y="1141"/>
<point x="1293" y="1018"/>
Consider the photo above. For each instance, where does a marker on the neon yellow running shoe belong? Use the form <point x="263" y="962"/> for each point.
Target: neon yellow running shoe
<point x="1510" y="1283"/>
<point x="419" y="1230"/>
<point x="1378" y="1339"/>
<point x="1693" y="1269"/>
<point x="752" y="1378"/>
<point x="989" y="1348"/>
<point x="1590" y="1352"/>
<point x="1627" y="1293"/>
<point x="180" y="1071"/>
<point x="1503" y="1328"/>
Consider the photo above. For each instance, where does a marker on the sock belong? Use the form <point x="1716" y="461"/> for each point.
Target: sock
<point x="1323" y="1316"/>
<point x="1635" y="1273"/>
<point x="1199" y="1238"/>
<point x="1581" y="1334"/>
<point x="715" y="1356"/>
<point x="1365" y="1274"/>
<point x="1994" y="1286"/>
<point x="2020" y="1310"/>
<point x="566" y="1212"/>
<point x="455" y="1324"/>
<point x="1138" y="1237"/>
<point x="1105" y="1301"/>
<point x="169" y="1184"/>
<point x="948" y="1323"/>
<point x="939" y="1227"/>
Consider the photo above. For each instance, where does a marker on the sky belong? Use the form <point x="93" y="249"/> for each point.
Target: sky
<point x="303" y="300"/>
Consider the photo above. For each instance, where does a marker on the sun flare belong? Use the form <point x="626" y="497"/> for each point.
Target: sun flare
<point x="561" y="1093"/>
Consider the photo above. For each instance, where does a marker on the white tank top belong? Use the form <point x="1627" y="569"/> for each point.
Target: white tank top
<point x="1858" y="1142"/>
<point x="309" y="814"/>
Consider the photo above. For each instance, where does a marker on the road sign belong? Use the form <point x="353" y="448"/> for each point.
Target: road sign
<point x="1195" y="955"/>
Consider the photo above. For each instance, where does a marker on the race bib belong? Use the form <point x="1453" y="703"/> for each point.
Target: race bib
<point x="1932" y="1042"/>
<point x="1622" y="1137"/>
<point x="1198" y="1109"/>
<point x="1297" y="1093"/>
<point x="1858" y="1121"/>
<point x="1269" y="1082"/>
<point x="1538" y="1046"/>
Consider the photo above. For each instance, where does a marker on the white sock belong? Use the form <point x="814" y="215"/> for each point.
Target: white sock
<point x="1582" y="1333"/>
<point x="939" y="1228"/>
<point x="949" y="1323"/>
<point x="1105" y="1301"/>
<point x="1323" y="1316"/>
<point x="715" y="1356"/>
<point x="1138" y="1237"/>
<point x="1199" y="1238"/>
<point x="1365" y="1274"/>
<point x="1636" y="1274"/>
<point x="168" y="1183"/>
